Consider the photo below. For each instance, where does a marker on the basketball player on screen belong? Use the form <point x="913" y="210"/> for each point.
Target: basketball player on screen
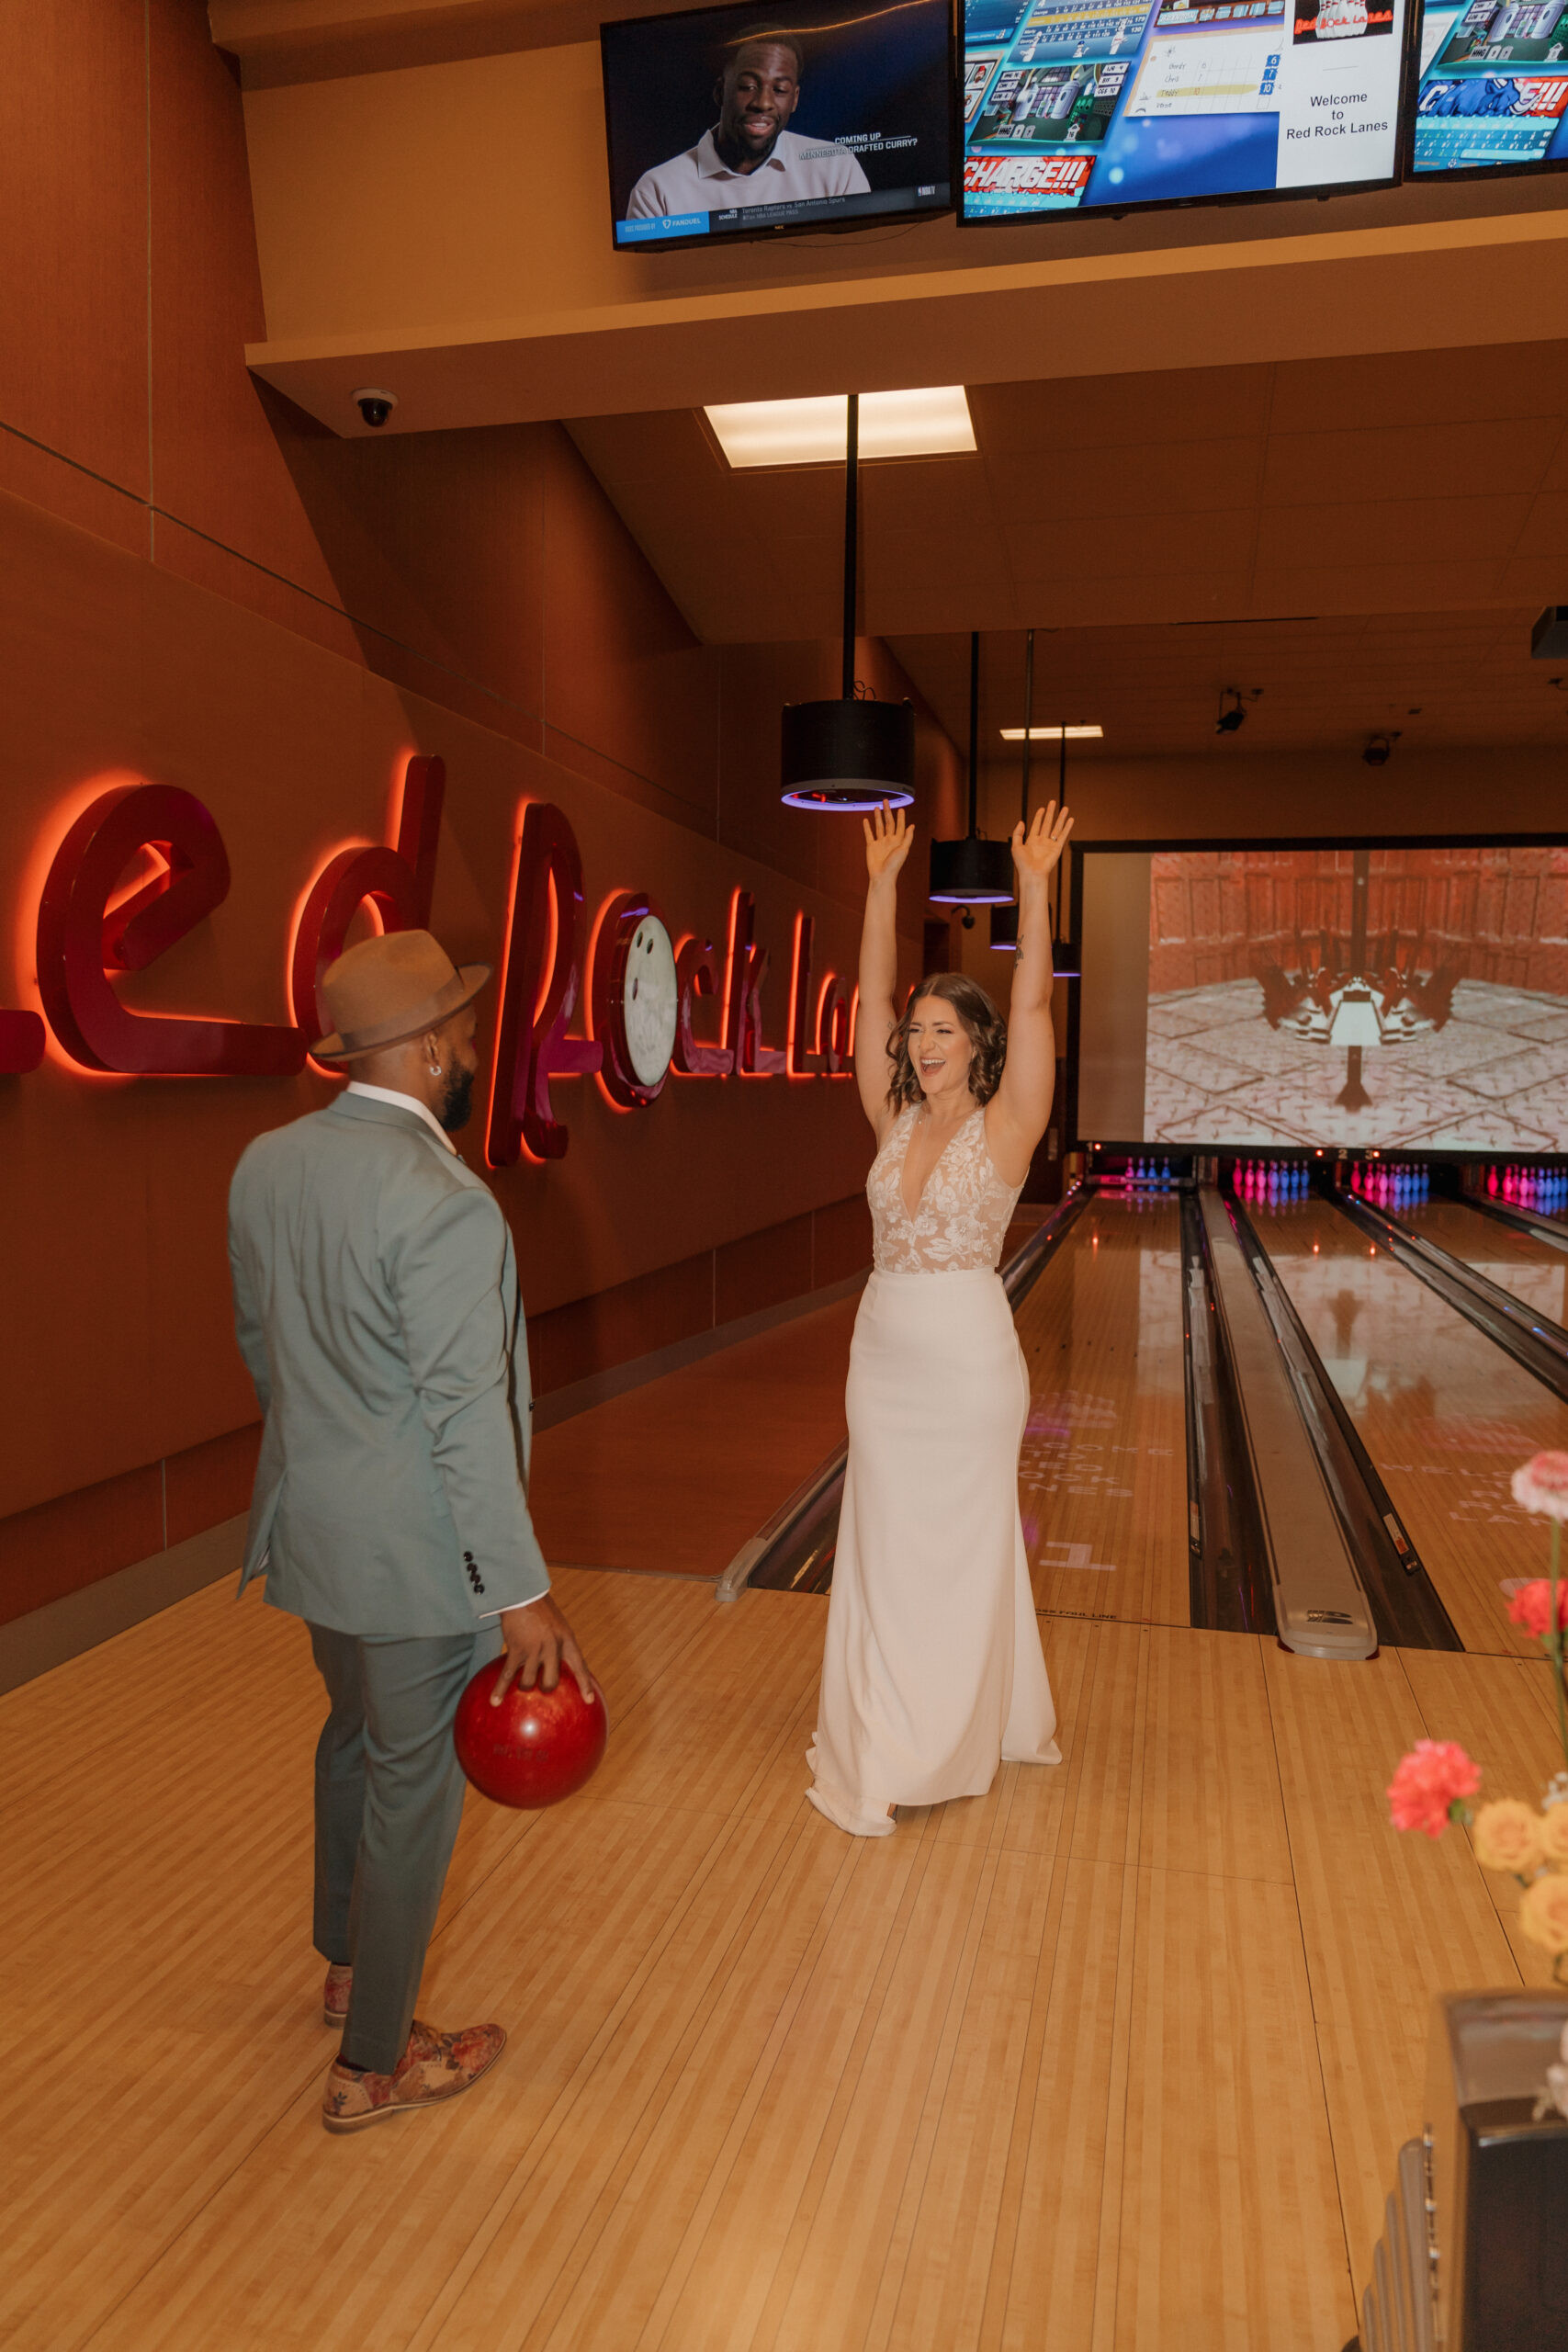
<point x="751" y="155"/>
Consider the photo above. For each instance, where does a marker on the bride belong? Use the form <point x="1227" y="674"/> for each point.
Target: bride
<point x="933" y="1670"/>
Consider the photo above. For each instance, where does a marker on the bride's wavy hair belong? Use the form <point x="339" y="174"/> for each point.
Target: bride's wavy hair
<point x="983" y="1025"/>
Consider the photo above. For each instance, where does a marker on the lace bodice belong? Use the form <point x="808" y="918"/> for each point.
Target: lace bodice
<point x="963" y="1215"/>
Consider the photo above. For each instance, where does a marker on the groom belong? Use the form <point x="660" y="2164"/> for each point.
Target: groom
<point x="376" y="1308"/>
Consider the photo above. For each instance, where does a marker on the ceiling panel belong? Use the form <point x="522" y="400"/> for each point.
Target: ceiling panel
<point x="1407" y="461"/>
<point x="1182" y="478"/>
<point x="1371" y="536"/>
<point x="1545" y="530"/>
<point x="1442" y="530"/>
<point x="1326" y="682"/>
<point x="1464" y="386"/>
<point x="1099" y="411"/>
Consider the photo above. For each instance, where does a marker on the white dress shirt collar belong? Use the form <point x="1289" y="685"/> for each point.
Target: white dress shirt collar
<point x="405" y="1102"/>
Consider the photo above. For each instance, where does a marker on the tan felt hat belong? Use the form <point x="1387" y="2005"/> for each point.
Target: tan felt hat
<point x="389" y="990"/>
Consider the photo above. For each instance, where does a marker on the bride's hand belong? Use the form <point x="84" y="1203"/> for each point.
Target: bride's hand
<point x="887" y="844"/>
<point x="1037" y="853"/>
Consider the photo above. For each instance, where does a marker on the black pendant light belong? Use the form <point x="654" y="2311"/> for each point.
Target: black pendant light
<point x="855" y="752"/>
<point x="972" y="873"/>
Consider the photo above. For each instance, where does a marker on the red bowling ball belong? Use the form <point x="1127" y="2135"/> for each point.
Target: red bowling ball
<point x="534" y="1749"/>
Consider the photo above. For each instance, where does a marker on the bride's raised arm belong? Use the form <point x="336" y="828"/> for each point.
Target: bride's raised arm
<point x="888" y="842"/>
<point x="1018" y="1115"/>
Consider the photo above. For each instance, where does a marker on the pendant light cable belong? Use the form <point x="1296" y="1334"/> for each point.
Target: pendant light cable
<point x="852" y="538"/>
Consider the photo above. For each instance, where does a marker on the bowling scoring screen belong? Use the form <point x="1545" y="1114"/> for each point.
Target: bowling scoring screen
<point x="1493" y="89"/>
<point x="1069" y="106"/>
<point x="1356" y="998"/>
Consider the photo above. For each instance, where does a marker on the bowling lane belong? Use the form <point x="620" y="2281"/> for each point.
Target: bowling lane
<point x="1102" y="1478"/>
<point x="1533" y="1270"/>
<point x="1445" y="1415"/>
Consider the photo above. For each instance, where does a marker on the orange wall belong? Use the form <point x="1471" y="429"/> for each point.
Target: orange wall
<point x="198" y="586"/>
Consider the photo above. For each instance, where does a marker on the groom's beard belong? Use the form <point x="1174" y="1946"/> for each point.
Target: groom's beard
<point x="457" y="1101"/>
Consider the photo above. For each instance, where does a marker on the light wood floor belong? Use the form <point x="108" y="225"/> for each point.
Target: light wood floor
<point x="1118" y="2056"/>
<point x="674" y="1476"/>
<point x="1445" y="1414"/>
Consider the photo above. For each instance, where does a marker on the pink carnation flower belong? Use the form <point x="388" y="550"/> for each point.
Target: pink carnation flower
<point x="1434" y="1776"/>
<point x="1531" y="1607"/>
<point x="1541" y="1485"/>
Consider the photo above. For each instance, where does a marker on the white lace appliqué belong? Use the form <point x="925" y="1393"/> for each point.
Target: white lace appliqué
<point x="964" y="1213"/>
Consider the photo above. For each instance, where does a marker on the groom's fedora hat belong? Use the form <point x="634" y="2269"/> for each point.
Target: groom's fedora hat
<point x="386" y="990"/>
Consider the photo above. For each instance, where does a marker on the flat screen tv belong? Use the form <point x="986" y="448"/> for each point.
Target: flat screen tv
<point x="744" y="122"/>
<point x="1111" y="105"/>
<point x="1494" y="87"/>
<point x="1390" y="997"/>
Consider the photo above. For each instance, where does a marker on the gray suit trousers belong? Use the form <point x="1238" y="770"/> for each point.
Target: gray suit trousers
<point x="388" y="1800"/>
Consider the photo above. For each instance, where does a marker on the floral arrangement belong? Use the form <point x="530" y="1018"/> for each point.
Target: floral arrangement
<point x="1434" y="1783"/>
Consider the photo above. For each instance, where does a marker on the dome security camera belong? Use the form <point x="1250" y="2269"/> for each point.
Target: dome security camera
<point x="1379" y="750"/>
<point x="374" y="404"/>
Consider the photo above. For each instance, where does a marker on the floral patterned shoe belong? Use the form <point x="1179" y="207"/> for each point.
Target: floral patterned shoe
<point x="434" y="2067"/>
<point x="334" y="1996"/>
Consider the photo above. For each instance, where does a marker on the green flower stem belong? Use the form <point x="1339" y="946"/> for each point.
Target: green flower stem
<point x="1554" y="1641"/>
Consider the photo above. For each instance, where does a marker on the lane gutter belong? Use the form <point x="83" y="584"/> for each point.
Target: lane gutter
<point x="1535" y="1342"/>
<point x="1405" y="1606"/>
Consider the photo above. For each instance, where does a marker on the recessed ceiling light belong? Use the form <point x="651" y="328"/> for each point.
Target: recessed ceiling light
<point x="1053" y="734"/>
<point x="931" y="422"/>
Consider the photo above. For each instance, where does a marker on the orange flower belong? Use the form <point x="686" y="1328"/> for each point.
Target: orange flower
<point x="1544" y="1914"/>
<point x="1554" y="1834"/>
<point x="1531" y="1606"/>
<point x="1429" y="1784"/>
<point x="1507" y="1836"/>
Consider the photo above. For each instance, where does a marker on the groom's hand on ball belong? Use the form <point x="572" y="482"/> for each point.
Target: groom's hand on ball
<point x="540" y="1642"/>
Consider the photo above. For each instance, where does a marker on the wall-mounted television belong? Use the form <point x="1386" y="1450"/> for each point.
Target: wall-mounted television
<point x="1108" y="105"/>
<point x="1494" y="87"/>
<point x="746" y="120"/>
<point x="1388" y="997"/>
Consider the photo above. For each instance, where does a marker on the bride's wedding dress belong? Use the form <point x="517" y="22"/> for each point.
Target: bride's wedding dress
<point x="933" y="1671"/>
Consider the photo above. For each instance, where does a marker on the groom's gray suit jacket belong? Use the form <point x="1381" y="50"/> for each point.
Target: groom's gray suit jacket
<point x="376" y="1308"/>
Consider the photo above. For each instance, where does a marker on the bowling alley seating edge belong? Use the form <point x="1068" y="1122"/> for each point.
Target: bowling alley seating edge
<point x="1474" y="2252"/>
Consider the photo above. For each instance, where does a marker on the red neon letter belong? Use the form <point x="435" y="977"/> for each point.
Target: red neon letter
<point x="538" y="993"/>
<point x="804" y="1051"/>
<point x="836" y="1026"/>
<point x="80" y="939"/>
<point x="399" y="882"/>
<point x="694" y="977"/>
<point x="21" y="1043"/>
<point x="746" y="969"/>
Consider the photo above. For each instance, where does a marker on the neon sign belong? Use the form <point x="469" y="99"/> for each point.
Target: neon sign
<point x="639" y="998"/>
<point x="82" y="937"/>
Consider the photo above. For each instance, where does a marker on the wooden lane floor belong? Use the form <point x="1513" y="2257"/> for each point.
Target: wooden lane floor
<point x="1102" y="1478"/>
<point x="1517" y="1261"/>
<point x="673" y="1476"/>
<point x="1101" y="2062"/>
<point x="1445" y="1415"/>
